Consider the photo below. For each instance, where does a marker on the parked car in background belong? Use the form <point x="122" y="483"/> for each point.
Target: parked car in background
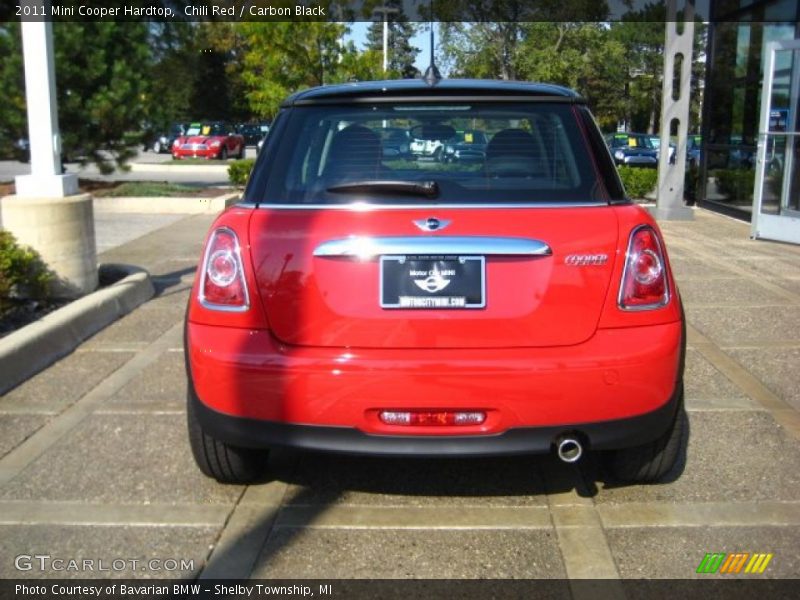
<point x="22" y="150"/>
<point x="426" y="148"/>
<point x="161" y="143"/>
<point x="396" y="142"/>
<point x="14" y="148"/>
<point x="261" y="142"/>
<point x="655" y="140"/>
<point x="693" y="146"/>
<point x="632" y="149"/>
<point x="354" y="304"/>
<point x="252" y="132"/>
<point x="465" y="146"/>
<point x="209" y="140"/>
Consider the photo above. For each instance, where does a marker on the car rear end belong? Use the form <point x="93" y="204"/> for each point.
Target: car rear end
<point x="357" y="302"/>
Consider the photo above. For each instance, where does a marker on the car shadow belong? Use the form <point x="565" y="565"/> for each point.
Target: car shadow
<point x="514" y="479"/>
<point x="319" y="481"/>
<point x="172" y="283"/>
<point x="595" y="470"/>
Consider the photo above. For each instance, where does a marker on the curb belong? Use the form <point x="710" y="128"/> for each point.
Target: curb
<point x="170" y="168"/>
<point x="166" y="204"/>
<point x="38" y="345"/>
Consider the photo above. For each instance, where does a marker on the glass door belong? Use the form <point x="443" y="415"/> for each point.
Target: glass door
<point x="776" y="193"/>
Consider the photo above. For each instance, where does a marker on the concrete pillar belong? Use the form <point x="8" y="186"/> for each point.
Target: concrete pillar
<point x="669" y="205"/>
<point x="47" y="213"/>
<point x="46" y="179"/>
<point x="61" y="230"/>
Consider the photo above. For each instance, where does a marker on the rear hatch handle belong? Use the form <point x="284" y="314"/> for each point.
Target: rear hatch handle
<point x="366" y="247"/>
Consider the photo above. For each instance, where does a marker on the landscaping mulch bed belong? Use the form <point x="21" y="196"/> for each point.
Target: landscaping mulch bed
<point x="24" y="312"/>
<point x="140" y="189"/>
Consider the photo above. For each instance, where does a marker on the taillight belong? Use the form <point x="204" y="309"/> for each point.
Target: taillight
<point x="222" y="284"/>
<point x="644" y="280"/>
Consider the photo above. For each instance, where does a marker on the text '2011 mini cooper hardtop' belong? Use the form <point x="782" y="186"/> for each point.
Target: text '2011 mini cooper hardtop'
<point x="362" y="302"/>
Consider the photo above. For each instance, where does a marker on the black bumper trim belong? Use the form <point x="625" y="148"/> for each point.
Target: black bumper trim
<point x="604" y="435"/>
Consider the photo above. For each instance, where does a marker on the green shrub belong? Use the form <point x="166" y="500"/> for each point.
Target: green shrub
<point x="735" y="184"/>
<point x="23" y="274"/>
<point x="239" y="171"/>
<point x="638" y="181"/>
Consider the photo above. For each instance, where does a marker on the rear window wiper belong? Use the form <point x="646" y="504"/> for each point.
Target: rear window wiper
<point x="429" y="189"/>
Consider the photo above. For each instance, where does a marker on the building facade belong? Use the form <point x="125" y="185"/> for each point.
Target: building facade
<point x="741" y="36"/>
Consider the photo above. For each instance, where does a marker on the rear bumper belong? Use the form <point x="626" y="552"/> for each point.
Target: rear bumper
<point x="607" y="435"/>
<point x="617" y="389"/>
<point x="640" y="161"/>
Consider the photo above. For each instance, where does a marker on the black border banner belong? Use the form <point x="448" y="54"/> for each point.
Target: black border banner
<point x="709" y="588"/>
<point x="345" y="10"/>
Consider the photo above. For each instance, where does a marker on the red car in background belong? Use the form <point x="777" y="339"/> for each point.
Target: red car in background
<point x="362" y="304"/>
<point x="209" y="140"/>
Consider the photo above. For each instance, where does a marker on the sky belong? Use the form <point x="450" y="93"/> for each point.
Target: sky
<point x="422" y="40"/>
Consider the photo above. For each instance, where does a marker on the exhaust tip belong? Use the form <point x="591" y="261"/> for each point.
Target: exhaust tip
<point x="569" y="449"/>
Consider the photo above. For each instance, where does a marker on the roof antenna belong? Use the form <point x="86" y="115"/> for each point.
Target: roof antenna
<point x="432" y="75"/>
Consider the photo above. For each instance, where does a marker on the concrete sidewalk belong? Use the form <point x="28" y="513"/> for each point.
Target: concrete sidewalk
<point x="95" y="461"/>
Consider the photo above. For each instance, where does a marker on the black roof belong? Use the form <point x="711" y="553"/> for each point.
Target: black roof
<point x="447" y="88"/>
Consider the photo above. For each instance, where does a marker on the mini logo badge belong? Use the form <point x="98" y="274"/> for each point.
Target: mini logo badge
<point x="431" y="224"/>
<point x="435" y="282"/>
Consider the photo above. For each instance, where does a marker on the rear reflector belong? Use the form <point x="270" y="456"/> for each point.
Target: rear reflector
<point x="644" y="282"/>
<point x="444" y="417"/>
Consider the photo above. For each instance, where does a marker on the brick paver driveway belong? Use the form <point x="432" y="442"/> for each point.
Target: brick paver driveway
<point x="95" y="461"/>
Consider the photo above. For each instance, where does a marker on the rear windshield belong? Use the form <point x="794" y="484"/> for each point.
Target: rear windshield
<point x="632" y="141"/>
<point x="207" y="129"/>
<point x="517" y="153"/>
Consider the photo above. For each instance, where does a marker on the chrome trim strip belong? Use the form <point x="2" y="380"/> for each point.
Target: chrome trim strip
<point x="364" y="247"/>
<point x="365" y="206"/>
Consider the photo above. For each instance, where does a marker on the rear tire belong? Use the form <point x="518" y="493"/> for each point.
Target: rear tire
<point x="224" y="462"/>
<point x="650" y="462"/>
<point x="223" y="154"/>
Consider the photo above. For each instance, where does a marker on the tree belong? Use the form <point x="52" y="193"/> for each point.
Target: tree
<point x="480" y="50"/>
<point x="485" y="40"/>
<point x="221" y="54"/>
<point x="641" y="33"/>
<point x="175" y="53"/>
<point x="102" y="88"/>
<point x="13" y="125"/>
<point x="401" y="54"/>
<point x="581" y="56"/>
<point x="281" y="58"/>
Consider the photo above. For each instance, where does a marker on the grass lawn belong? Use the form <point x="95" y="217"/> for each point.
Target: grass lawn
<point x="149" y="188"/>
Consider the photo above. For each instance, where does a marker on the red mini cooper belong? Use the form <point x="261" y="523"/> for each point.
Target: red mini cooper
<point x="209" y="140"/>
<point x="360" y="302"/>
